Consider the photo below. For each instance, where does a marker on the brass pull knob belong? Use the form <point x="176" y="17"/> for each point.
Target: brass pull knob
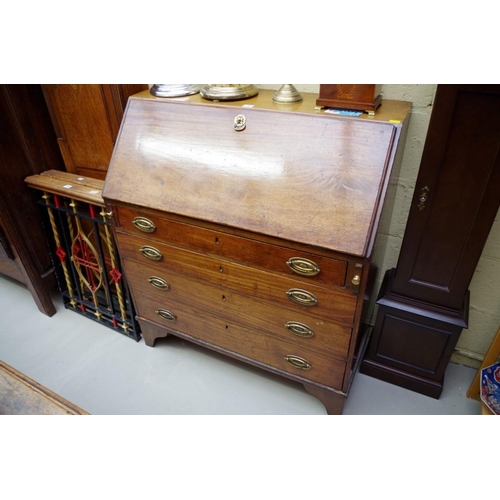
<point x="239" y="123"/>
<point x="299" y="329"/>
<point x="159" y="283"/>
<point x="356" y="280"/>
<point x="302" y="297"/>
<point x="298" y="362"/>
<point x="106" y="215"/>
<point x="151" y="252"/>
<point x="167" y="315"/>
<point x="144" y="225"/>
<point x="304" y="267"/>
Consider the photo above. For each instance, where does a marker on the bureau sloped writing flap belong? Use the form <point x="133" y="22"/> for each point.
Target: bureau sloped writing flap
<point x="314" y="179"/>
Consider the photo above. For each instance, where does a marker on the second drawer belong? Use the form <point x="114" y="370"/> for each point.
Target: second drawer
<point x="327" y="303"/>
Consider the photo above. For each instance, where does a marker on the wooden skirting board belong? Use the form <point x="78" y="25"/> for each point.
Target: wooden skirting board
<point x="20" y="395"/>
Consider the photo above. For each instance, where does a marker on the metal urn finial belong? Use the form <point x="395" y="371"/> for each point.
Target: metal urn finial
<point x="287" y="94"/>
<point x="175" y="89"/>
<point x="228" y="91"/>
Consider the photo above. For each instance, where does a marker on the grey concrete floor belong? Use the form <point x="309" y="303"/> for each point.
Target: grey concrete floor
<point x="106" y="373"/>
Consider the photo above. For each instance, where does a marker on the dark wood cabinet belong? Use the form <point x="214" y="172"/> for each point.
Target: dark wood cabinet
<point x="424" y="302"/>
<point x="27" y="146"/>
<point x="87" y="119"/>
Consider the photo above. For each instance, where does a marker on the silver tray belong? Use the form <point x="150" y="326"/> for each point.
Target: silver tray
<point x="228" y="91"/>
<point x="175" y="89"/>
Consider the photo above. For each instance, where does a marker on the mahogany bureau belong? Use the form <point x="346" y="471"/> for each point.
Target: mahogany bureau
<point x="247" y="227"/>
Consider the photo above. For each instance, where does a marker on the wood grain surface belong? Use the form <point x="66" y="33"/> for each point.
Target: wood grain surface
<point x="254" y="344"/>
<point x="73" y="186"/>
<point x="312" y="179"/>
<point x="21" y="395"/>
<point x="332" y="303"/>
<point x="228" y="304"/>
<point x="267" y="256"/>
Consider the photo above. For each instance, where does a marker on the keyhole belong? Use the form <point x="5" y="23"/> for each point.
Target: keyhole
<point x="216" y="241"/>
<point x="220" y="268"/>
<point x="223" y="297"/>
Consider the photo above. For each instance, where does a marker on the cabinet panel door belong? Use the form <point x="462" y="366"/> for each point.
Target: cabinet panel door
<point x="456" y="196"/>
<point x="83" y="125"/>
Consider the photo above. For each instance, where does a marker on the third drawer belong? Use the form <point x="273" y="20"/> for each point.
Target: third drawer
<point x="168" y="290"/>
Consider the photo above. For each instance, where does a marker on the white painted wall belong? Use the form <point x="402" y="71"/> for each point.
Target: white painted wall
<point x="484" y="318"/>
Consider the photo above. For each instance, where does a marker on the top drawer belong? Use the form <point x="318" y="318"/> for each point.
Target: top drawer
<point x="303" y="266"/>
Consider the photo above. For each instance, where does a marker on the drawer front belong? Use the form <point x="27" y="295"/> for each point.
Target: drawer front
<point x="332" y="304"/>
<point x="258" y="346"/>
<point x="297" y="327"/>
<point x="304" y="266"/>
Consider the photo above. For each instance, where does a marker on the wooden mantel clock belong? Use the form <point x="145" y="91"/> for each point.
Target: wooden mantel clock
<point x="353" y="96"/>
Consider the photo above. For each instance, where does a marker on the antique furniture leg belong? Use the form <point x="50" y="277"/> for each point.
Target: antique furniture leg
<point x="150" y="333"/>
<point x="333" y="402"/>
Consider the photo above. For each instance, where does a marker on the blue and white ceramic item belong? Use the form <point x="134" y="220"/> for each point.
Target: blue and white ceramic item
<point x="490" y="387"/>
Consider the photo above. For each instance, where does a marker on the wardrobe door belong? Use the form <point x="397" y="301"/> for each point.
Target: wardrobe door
<point x="28" y="146"/>
<point x="87" y="119"/>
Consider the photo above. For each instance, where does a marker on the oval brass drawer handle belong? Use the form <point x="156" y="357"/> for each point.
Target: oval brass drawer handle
<point x="165" y="314"/>
<point x="144" y="225"/>
<point x="159" y="283"/>
<point x="302" y="297"/>
<point x="297" y="362"/>
<point x="151" y="252"/>
<point x="304" y="267"/>
<point x="299" y="329"/>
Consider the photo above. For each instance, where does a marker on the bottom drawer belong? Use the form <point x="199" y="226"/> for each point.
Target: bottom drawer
<point x="252" y="344"/>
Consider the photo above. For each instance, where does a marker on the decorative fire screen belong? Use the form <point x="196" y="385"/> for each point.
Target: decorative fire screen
<point x="85" y="257"/>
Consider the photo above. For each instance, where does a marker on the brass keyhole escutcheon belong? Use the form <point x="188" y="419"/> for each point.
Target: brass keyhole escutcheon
<point x="239" y="123"/>
<point x="424" y="194"/>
